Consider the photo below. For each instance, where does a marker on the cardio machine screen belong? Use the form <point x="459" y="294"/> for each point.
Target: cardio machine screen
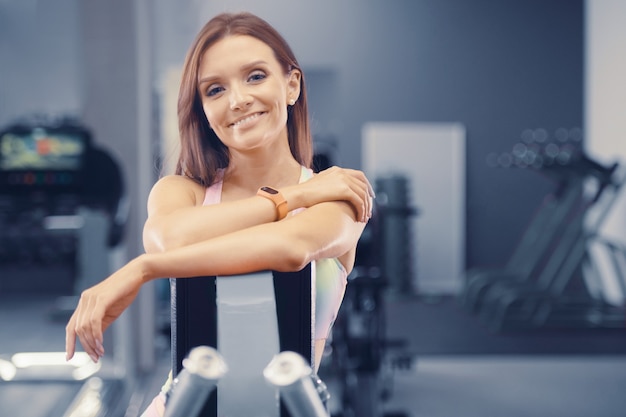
<point x="41" y="150"/>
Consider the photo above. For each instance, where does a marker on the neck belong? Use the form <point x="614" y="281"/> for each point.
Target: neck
<point x="249" y="172"/>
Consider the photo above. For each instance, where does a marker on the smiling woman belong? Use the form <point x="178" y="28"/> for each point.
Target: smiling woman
<point x="243" y="176"/>
<point x="244" y="92"/>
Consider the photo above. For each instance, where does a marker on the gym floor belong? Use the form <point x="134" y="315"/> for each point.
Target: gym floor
<point x="462" y="369"/>
<point x="458" y="368"/>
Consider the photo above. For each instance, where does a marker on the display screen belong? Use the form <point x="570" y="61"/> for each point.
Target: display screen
<point x="41" y="150"/>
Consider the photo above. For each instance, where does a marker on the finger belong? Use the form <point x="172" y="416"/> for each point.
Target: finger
<point x="353" y="194"/>
<point x="368" y="207"/>
<point x="361" y="206"/>
<point x="362" y="190"/>
<point x="361" y="176"/>
<point x="96" y="330"/>
<point x="370" y="189"/>
<point x="70" y="338"/>
<point x="83" y="326"/>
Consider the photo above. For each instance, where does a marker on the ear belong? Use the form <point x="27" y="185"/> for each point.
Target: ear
<point x="294" y="80"/>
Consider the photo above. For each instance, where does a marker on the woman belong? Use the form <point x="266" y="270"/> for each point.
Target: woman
<point x="243" y="177"/>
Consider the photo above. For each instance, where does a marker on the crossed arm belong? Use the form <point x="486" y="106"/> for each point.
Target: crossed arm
<point x="330" y="227"/>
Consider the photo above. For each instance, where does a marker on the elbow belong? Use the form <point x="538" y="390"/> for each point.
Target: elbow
<point x="294" y="257"/>
<point x="158" y="239"/>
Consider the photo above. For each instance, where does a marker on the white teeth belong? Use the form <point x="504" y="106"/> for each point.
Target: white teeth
<point x="247" y="119"/>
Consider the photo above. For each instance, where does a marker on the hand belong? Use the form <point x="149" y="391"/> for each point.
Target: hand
<point x="98" y="307"/>
<point x="341" y="184"/>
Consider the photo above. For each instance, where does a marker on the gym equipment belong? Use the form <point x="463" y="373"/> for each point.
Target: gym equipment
<point x="62" y="209"/>
<point x="248" y="319"/>
<point x="290" y="374"/>
<point x="541" y="284"/>
<point x="561" y="164"/>
<point x="202" y="370"/>
<point x="49" y="174"/>
<point x="363" y="357"/>
<point x="397" y="253"/>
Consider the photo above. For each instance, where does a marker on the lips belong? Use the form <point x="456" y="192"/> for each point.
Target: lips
<point x="246" y="119"/>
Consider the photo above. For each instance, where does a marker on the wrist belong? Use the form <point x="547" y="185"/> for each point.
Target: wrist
<point x="143" y="266"/>
<point x="294" y="197"/>
<point x="277" y="198"/>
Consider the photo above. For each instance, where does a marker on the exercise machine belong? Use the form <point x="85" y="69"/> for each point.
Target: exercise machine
<point x="363" y="358"/>
<point x="62" y="211"/>
<point x="249" y="319"/>
<point x="552" y="278"/>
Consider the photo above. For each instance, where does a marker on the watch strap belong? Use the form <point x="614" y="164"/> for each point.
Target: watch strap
<point x="277" y="198"/>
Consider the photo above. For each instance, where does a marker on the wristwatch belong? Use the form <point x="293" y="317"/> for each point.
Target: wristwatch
<point x="277" y="198"/>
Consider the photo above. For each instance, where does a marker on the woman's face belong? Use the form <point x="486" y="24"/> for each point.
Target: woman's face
<point x="245" y="92"/>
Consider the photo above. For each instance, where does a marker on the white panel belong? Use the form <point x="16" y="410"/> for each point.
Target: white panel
<point x="605" y="108"/>
<point x="605" y="93"/>
<point x="432" y="157"/>
<point x="247" y="333"/>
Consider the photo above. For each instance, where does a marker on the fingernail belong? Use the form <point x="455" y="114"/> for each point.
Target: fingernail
<point x="94" y="358"/>
<point x="99" y="348"/>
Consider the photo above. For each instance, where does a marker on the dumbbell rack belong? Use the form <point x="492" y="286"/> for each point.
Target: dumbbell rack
<point x="550" y="279"/>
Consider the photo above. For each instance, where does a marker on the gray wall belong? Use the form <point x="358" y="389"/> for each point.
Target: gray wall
<point x="498" y="67"/>
<point x="40" y="61"/>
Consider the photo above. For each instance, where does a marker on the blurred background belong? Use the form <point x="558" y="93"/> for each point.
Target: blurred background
<point x="491" y="281"/>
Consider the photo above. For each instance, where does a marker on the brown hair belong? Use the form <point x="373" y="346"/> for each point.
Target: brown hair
<point x="202" y="153"/>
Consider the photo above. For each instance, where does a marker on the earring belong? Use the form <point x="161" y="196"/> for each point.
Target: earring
<point x="292" y="102"/>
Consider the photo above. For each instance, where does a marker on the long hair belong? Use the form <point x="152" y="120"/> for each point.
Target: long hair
<point x="202" y="153"/>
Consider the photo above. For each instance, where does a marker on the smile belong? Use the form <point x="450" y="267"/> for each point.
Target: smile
<point x="246" y="119"/>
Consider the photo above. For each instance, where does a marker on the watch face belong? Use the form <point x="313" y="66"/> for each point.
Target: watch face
<point x="269" y="190"/>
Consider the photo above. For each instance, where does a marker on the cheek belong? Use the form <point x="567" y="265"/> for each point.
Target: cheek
<point x="207" y="112"/>
<point x="280" y="110"/>
<point x="210" y="115"/>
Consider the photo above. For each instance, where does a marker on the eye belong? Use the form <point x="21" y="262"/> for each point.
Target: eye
<point x="213" y="90"/>
<point x="256" y="75"/>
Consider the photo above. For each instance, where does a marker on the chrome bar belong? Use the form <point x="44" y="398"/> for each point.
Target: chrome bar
<point x="292" y="376"/>
<point x="202" y="369"/>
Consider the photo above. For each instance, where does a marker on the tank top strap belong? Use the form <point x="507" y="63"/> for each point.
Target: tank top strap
<point x="213" y="194"/>
<point x="305" y="174"/>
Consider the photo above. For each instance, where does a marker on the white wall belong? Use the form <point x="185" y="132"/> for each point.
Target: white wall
<point x="605" y="105"/>
<point x="605" y="91"/>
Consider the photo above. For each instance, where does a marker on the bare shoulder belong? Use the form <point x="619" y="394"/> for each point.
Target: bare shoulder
<point x="174" y="191"/>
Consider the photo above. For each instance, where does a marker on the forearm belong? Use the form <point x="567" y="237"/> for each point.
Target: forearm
<point x="286" y="246"/>
<point x="177" y="218"/>
<point x="235" y="253"/>
<point x="188" y="225"/>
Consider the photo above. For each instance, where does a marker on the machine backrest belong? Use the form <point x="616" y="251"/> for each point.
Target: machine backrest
<point x="194" y="319"/>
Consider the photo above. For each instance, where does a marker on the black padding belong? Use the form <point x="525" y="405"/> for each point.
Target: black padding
<point x="194" y="323"/>
<point x="293" y="307"/>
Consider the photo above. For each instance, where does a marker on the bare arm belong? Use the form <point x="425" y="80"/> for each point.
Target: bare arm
<point x="177" y="218"/>
<point x="323" y="231"/>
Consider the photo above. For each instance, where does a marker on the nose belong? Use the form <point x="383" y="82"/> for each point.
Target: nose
<point x="239" y="98"/>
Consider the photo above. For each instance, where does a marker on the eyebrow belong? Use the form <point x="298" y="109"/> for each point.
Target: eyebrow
<point x="243" y="68"/>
